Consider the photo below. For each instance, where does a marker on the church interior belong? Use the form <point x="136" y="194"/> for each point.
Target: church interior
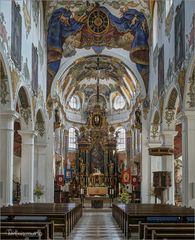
<point x="97" y="119"/>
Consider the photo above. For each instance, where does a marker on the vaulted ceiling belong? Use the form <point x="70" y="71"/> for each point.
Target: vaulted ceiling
<point x="115" y="32"/>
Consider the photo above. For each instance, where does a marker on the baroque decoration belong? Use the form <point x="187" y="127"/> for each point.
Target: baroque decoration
<point x="40" y="128"/>
<point x="146" y="106"/>
<point x="169" y="116"/>
<point x="168" y="23"/>
<point x="3" y="86"/>
<point x="97" y="29"/>
<point x="3" y="33"/>
<point x="15" y="79"/>
<point x="181" y="81"/>
<point x="191" y="92"/>
<point x="16" y="35"/>
<point x="27" y="19"/>
<point x="25" y="114"/>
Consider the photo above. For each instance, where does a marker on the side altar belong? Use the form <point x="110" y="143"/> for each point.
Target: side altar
<point x="97" y="154"/>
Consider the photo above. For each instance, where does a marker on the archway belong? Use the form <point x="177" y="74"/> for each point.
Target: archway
<point x="7" y="117"/>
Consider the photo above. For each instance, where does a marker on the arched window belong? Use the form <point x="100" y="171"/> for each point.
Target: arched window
<point x="119" y="102"/>
<point x="155" y="25"/>
<point x="168" y="4"/>
<point x="121" y="140"/>
<point x="74" y="102"/>
<point x="72" y="138"/>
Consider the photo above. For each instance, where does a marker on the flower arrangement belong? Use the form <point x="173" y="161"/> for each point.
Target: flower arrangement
<point x="124" y="197"/>
<point x="38" y="191"/>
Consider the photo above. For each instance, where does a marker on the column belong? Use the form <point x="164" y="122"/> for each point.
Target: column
<point x="6" y="156"/>
<point x="168" y="162"/>
<point x="146" y="165"/>
<point x="50" y="162"/>
<point x="27" y="166"/>
<point x="41" y="166"/>
<point x="188" y="150"/>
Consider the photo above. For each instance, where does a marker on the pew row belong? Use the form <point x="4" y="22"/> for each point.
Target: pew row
<point x="145" y="229"/>
<point x="128" y="216"/>
<point x="63" y="215"/>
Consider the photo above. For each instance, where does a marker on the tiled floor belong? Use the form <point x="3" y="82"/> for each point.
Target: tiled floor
<point x="96" y="224"/>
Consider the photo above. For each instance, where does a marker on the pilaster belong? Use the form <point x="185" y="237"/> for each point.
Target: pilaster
<point x="27" y="166"/>
<point x="6" y="156"/>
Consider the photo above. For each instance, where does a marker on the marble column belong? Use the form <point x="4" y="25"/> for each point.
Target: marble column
<point x="168" y="162"/>
<point x="188" y="159"/>
<point x="6" y="156"/>
<point x="27" y="166"/>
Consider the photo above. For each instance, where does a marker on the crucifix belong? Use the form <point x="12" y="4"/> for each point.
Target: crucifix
<point x="98" y="68"/>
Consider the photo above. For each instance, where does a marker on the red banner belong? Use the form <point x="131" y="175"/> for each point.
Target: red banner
<point x="134" y="180"/>
<point x="60" y="180"/>
<point x="126" y="176"/>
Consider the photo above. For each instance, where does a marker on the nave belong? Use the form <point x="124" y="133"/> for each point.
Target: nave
<point x="96" y="224"/>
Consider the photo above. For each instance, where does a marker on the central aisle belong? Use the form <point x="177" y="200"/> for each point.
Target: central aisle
<point x="96" y="224"/>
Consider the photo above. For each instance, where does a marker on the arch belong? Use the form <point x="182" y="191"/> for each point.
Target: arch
<point x="122" y="56"/>
<point x="25" y="107"/>
<point x="121" y="138"/>
<point x="6" y="97"/>
<point x="40" y="123"/>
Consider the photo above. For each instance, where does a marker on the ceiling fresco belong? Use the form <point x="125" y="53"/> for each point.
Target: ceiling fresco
<point x="76" y="25"/>
<point x="81" y="79"/>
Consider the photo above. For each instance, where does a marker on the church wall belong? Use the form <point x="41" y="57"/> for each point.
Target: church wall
<point x="32" y="32"/>
<point x="174" y="71"/>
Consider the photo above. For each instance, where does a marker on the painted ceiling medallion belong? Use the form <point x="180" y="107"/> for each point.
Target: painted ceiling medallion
<point x="98" y="22"/>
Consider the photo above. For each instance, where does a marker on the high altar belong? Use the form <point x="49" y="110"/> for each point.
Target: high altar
<point x="97" y="154"/>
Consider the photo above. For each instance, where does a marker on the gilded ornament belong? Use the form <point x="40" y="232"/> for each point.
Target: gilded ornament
<point x="15" y="79"/>
<point x="146" y="106"/>
<point x="49" y="106"/>
<point x="169" y="116"/>
<point x="154" y="130"/>
<point x="25" y="114"/>
<point x="181" y="81"/>
<point x="40" y="127"/>
<point x="3" y="86"/>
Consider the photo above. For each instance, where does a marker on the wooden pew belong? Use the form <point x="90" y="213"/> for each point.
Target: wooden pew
<point x="63" y="215"/>
<point x="143" y="226"/>
<point x="171" y="236"/>
<point x="169" y="230"/>
<point x="129" y="215"/>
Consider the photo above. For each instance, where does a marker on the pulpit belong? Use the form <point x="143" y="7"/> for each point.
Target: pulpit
<point x="161" y="182"/>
